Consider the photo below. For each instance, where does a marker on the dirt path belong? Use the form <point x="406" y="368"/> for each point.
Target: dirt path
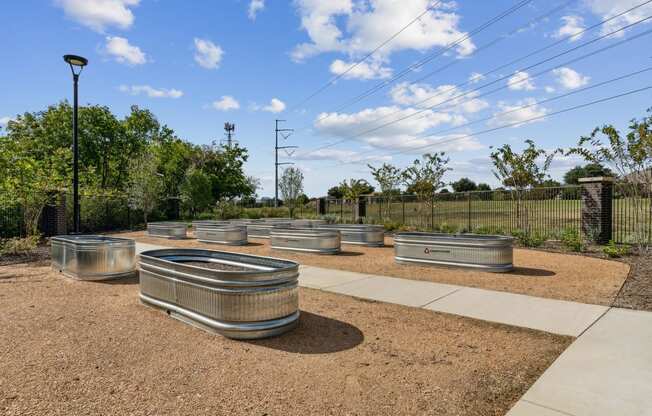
<point x="72" y="347"/>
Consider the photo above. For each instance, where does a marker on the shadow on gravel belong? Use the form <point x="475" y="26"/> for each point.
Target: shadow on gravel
<point x="531" y="272"/>
<point x="316" y="334"/>
<point x="349" y="253"/>
<point x="131" y="280"/>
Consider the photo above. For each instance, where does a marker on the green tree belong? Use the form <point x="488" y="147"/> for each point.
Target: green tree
<point x="630" y="156"/>
<point x="520" y="171"/>
<point x="425" y="177"/>
<point x="589" y="170"/>
<point x="483" y="187"/>
<point x="291" y="186"/>
<point x="146" y="184"/>
<point x="388" y="178"/>
<point x="464" y="185"/>
<point x="196" y="191"/>
<point x="336" y="192"/>
<point x="355" y="188"/>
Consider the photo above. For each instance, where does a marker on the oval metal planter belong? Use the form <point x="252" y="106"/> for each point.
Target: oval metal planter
<point x="364" y="235"/>
<point x="232" y="235"/>
<point x="174" y="230"/>
<point x="237" y="295"/>
<point x="262" y="230"/>
<point x="492" y="253"/>
<point x="308" y="223"/>
<point x="317" y="241"/>
<point x="214" y="223"/>
<point x="93" y="257"/>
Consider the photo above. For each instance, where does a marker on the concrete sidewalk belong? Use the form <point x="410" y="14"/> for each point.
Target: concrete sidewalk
<point x="549" y="315"/>
<point x="605" y="372"/>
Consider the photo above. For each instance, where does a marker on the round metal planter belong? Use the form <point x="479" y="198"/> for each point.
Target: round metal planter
<point x="492" y="253"/>
<point x="173" y="230"/>
<point x="232" y="235"/>
<point x="364" y="235"/>
<point x="308" y="223"/>
<point x="93" y="257"/>
<point x="262" y="230"/>
<point x="317" y="241"/>
<point x="237" y="295"/>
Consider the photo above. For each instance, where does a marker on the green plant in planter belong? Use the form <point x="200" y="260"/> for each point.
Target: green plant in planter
<point x="571" y="239"/>
<point x="614" y="250"/>
<point x="529" y="239"/>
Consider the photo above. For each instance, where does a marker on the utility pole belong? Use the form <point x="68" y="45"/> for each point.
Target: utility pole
<point x="285" y="133"/>
<point x="229" y="129"/>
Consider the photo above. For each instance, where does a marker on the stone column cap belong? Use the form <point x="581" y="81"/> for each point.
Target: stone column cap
<point x="602" y="179"/>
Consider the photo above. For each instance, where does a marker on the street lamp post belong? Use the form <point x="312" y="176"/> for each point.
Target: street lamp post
<point x="77" y="64"/>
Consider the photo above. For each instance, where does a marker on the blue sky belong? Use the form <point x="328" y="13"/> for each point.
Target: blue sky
<point x="197" y="64"/>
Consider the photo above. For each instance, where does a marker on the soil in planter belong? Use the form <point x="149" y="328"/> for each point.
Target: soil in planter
<point x="218" y="266"/>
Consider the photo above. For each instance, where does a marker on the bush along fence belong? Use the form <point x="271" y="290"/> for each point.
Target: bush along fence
<point x="597" y="209"/>
<point x="99" y="213"/>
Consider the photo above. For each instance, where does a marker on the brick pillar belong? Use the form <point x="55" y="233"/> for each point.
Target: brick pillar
<point x="597" y="196"/>
<point x="53" y="218"/>
<point x="321" y="206"/>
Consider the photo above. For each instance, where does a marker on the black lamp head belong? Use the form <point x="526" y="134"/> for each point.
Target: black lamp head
<point x="75" y="60"/>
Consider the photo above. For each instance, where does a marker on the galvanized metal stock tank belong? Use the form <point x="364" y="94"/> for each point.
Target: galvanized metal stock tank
<point x="310" y="240"/>
<point x="232" y="235"/>
<point x="173" y="230"/>
<point x="493" y="253"/>
<point x="93" y="257"/>
<point x="365" y="235"/>
<point x="237" y="295"/>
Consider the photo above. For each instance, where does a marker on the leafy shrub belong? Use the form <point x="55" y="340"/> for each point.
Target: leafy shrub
<point x="206" y="215"/>
<point x="329" y="218"/>
<point x="19" y="245"/>
<point x="614" y="250"/>
<point x="392" y="226"/>
<point x="571" y="239"/>
<point x="447" y="228"/>
<point x="529" y="239"/>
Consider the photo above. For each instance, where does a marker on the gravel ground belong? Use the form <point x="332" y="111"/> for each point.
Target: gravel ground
<point x="537" y="273"/>
<point x="71" y="347"/>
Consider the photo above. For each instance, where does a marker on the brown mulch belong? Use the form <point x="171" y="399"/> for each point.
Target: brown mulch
<point x="636" y="292"/>
<point x="39" y="255"/>
<point x="537" y="273"/>
<point x="71" y="347"/>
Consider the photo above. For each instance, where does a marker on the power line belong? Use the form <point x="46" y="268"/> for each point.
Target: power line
<point x="497" y="69"/>
<point x="430" y="57"/>
<point x="350" y="68"/>
<point x="452" y="99"/>
<point x="504" y="126"/>
<point x="536" y="103"/>
<point x="285" y="133"/>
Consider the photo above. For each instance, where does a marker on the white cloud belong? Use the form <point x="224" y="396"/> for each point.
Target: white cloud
<point x="515" y="114"/>
<point x="254" y="7"/>
<point x="151" y="92"/>
<point x="363" y="70"/>
<point x="123" y="52"/>
<point x="550" y="89"/>
<point x="275" y="106"/>
<point x="226" y="103"/>
<point x="402" y="135"/>
<point x="358" y="28"/>
<point x="570" y="79"/>
<point x="100" y="14"/>
<point x="476" y="77"/>
<point x="449" y="96"/>
<point x="340" y="155"/>
<point x="571" y="26"/>
<point x="207" y="54"/>
<point x="4" y="121"/>
<point x="520" y="81"/>
<point x="609" y="8"/>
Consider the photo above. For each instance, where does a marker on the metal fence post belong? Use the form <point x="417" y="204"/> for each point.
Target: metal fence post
<point x="403" y="203"/>
<point x="468" y="196"/>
